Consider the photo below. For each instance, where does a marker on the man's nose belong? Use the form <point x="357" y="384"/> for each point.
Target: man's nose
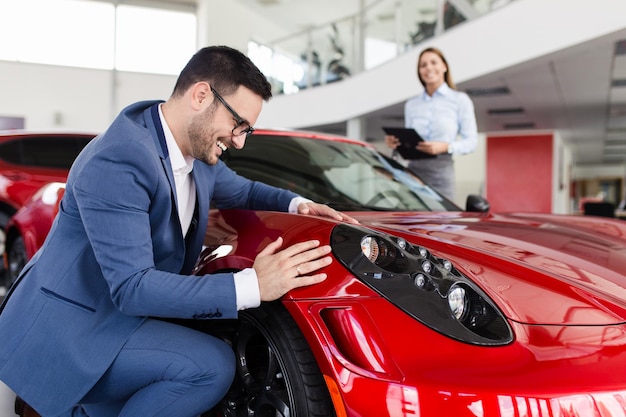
<point x="239" y="141"/>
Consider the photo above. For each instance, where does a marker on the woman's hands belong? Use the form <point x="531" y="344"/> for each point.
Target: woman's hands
<point x="433" y="148"/>
<point x="392" y="141"/>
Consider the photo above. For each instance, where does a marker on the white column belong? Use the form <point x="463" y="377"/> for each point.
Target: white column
<point x="355" y="128"/>
<point x="203" y="24"/>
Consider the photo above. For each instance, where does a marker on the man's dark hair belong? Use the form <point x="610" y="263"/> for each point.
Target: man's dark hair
<point x="225" y="69"/>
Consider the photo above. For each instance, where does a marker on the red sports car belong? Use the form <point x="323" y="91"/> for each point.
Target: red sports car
<point x="428" y="310"/>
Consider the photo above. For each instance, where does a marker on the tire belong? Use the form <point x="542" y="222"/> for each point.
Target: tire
<point x="4" y="219"/>
<point x="276" y="372"/>
<point x="17" y="259"/>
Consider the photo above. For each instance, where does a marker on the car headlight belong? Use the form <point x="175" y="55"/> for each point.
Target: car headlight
<point x="427" y="287"/>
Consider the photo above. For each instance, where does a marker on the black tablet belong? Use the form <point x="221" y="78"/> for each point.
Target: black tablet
<point x="409" y="139"/>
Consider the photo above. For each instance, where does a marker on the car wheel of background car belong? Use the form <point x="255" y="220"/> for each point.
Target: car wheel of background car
<point x="276" y="372"/>
<point x="4" y="219"/>
<point x="17" y="258"/>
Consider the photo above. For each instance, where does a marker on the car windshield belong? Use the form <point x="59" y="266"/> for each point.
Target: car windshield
<point x="345" y="175"/>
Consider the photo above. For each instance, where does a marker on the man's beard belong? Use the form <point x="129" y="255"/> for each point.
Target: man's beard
<point x="199" y="131"/>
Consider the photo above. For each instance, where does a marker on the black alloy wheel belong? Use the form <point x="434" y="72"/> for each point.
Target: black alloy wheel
<point x="276" y="374"/>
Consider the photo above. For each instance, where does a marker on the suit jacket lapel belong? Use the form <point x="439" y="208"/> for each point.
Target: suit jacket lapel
<point x="153" y="122"/>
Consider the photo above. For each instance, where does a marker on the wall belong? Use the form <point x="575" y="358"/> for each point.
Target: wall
<point x="529" y="171"/>
<point x="520" y="172"/>
<point x="49" y="96"/>
<point x="470" y="172"/>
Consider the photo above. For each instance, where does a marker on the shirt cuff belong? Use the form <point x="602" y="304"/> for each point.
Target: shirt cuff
<point x="295" y="202"/>
<point x="247" y="289"/>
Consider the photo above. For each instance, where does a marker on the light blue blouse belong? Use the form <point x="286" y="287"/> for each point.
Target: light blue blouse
<point x="446" y="115"/>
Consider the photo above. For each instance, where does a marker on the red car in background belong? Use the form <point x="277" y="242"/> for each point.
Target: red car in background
<point x="428" y="310"/>
<point x="26" y="231"/>
<point x="29" y="160"/>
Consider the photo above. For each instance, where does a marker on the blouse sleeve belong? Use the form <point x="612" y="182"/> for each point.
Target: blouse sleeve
<point x="467" y="129"/>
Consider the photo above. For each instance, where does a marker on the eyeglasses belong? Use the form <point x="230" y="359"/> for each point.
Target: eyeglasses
<point x="242" y="125"/>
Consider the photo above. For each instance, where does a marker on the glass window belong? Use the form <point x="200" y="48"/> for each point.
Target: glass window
<point x="59" y="32"/>
<point x="43" y="152"/>
<point x="83" y="33"/>
<point x="284" y="72"/>
<point x="347" y="176"/>
<point x="154" y="40"/>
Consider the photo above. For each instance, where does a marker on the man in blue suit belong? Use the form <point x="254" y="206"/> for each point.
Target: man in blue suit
<point x="79" y="329"/>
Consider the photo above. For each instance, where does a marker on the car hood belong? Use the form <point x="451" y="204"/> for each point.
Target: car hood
<point x="538" y="268"/>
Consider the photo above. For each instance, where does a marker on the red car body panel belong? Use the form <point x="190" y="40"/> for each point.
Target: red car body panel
<point x="33" y="221"/>
<point x="18" y="186"/>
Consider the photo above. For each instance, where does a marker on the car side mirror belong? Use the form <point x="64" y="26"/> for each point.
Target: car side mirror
<point x="476" y="203"/>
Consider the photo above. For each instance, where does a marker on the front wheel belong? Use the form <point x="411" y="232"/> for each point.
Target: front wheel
<point x="276" y="372"/>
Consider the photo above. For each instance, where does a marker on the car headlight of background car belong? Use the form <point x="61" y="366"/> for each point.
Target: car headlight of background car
<point x="428" y="288"/>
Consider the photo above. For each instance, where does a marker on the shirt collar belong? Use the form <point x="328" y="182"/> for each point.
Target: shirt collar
<point x="443" y="90"/>
<point x="180" y="164"/>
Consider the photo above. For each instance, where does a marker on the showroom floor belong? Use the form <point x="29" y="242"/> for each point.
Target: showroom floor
<point x="6" y="401"/>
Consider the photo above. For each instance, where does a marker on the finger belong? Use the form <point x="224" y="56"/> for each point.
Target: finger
<point x="303" y="208"/>
<point x="349" y="219"/>
<point x="312" y="265"/>
<point x="272" y="247"/>
<point x="298" y="248"/>
<point x="303" y="281"/>
<point x="331" y="212"/>
<point x="304" y="258"/>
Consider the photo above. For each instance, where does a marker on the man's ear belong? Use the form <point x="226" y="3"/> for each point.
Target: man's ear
<point x="200" y="93"/>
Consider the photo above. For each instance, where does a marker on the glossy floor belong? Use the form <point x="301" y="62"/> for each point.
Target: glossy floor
<point x="7" y="397"/>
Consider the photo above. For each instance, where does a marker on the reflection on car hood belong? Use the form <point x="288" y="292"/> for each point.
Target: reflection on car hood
<point x="540" y="269"/>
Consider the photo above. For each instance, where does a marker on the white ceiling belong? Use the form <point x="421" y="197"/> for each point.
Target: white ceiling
<point x="581" y="91"/>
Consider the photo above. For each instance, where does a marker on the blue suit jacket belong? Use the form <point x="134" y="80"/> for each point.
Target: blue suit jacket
<point x="114" y="256"/>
